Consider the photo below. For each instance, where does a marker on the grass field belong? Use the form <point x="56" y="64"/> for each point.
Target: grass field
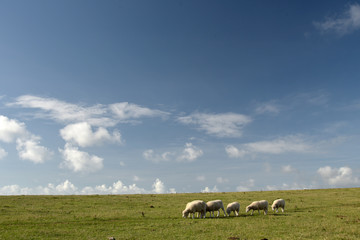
<point x="309" y="214"/>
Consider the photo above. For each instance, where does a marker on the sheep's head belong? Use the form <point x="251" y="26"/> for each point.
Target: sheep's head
<point x="228" y="211"/>
<point x="273" y="207"/>
<point x="185" y="214"/>
<point x="247" y="208"/>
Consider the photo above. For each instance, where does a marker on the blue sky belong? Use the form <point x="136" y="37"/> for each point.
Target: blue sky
<point x="178" y="96"/>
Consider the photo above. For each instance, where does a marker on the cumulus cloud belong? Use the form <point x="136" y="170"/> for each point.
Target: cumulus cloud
<point x="158" y="186"/>
<point x="157" y="158"/>
<point x="209" y="190"/>
<point x="278" y="146"/>
<point x="189" y="154"/>
<point x="338" y="177"/>
<point x="68" y="188"/>
<point x="220" y="125"/>
<point x="116" y="188"/>
<point x="287" y="169"/>
<point x="27" y="144"/>
<point x="126" y="111"/>
<point x="345" y="23"/>
<point x="79" y="161"/>
<point x="10" y="129"/>
<point x="83" y="135"/>
<point x="30" y="149"/>
<point x="234" y="152"/>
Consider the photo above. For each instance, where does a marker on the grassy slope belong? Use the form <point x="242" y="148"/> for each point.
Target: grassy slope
<point x="309" y="214"/>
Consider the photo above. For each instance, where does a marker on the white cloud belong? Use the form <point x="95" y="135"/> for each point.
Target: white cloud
<point x="28" y="145"/>
<point x="342" y="177"/>
<point x="269" y="107"/>
<point x="234" y="152"/>
<point x="220" y="125"/>
<point x="158" y="186"/>
<point x="3" y="153"/>
<point x="30" y="149"/>
<point x="10" y="129"/>
<point x="82" y="135"/>
<point x="79" y="161"/>
<point x="117" y="188"/>
<point x="68" y="188"/>
<point x="209" y="190"/>
<point x="278" y="146"/>
<point x="157" y="158"/>
<point x="246" y="186"/>
<point x="293" y="186"/>
<point x="97" y="115"/>
<point x="347" y="22"/>
<point x="65" y="112"/>
<point x="14" y="190"/>
<point x="288" y="169"/>
<point x="190" y="153"/>
<point x="125" y="111"/>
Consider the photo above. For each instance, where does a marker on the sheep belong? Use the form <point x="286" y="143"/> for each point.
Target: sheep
<point x="215" y="205"/>
<point x="233" y="207"/>
<point x="258" y="205"/>
<point x="278" y="203"/>
<point x="196" y="206"/>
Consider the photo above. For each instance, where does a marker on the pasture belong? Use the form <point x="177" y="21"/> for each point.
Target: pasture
<point x="309" y="214"/>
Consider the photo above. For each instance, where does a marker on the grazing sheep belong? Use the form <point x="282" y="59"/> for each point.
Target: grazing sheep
<point x="258" y="205"/>
<point x="278" y="203"/>
<point x="196" y="206"/>
<point x="233" y="207"/>
<point x="215" y="205"/>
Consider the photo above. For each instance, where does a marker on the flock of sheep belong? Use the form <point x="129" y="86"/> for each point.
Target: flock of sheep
<point x="200" y="207"/>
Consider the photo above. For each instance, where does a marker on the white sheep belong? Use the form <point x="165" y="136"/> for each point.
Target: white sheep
<point x="196" y="206"/>
<point x="258" y="205"/>
<point x="215" y="205"/>
<point x="233" y="207"/>
<point x="278" y="203"/>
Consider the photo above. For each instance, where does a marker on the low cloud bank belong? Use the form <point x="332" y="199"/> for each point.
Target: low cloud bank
<point x="68" y="188"/>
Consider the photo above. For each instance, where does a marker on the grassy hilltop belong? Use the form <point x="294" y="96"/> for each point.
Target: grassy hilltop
<point x="309" y="214"/>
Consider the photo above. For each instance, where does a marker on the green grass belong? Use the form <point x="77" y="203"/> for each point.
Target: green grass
<point x="309" y="214"/>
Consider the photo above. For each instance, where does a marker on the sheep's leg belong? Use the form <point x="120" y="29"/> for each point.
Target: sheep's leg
<point x="282" y="209"/>
<point x="236" y="213"/>
<point x="218" y="214"/>
<point x="277" y="210"/>
<point x="252" y="212"/>
<point x="224" y="212"/>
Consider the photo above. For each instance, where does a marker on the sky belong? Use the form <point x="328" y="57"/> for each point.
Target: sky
<point x="124" y="97"/>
